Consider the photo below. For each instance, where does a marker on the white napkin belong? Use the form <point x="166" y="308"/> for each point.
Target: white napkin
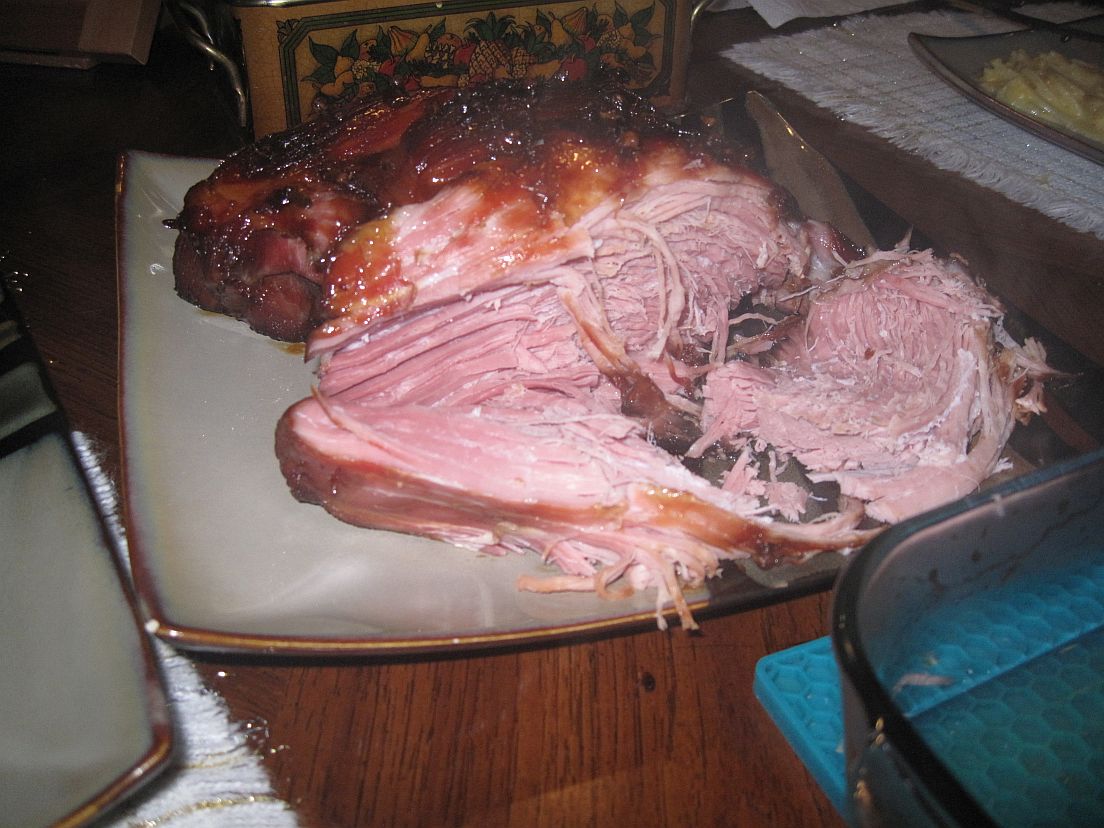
<point x="214" y="778"/>
<point x="777" y="12"/>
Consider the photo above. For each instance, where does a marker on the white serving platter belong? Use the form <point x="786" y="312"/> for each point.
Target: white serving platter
<point x="226" y="559"/>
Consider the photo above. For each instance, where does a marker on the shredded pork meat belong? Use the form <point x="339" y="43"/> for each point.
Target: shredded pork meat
<point x="521" y="301"/>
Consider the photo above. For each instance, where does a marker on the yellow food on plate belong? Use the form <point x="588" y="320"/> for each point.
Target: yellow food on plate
<point x="1063" y="92"/>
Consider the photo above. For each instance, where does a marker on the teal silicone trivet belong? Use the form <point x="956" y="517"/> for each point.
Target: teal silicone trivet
<point x="1006" y="686"/>
<point x="799" y="688"/>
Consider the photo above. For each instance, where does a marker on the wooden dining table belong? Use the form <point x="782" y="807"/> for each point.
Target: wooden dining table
<point x="633" y="727"/>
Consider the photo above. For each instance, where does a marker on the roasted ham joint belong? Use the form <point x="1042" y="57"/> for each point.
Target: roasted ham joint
<point x="538" y="310"/>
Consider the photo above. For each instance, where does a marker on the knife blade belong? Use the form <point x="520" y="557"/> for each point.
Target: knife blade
<point x="809" y="176"/>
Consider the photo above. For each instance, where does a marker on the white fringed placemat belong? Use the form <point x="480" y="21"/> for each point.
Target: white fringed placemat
<point x="215" y="778"/>
<point x="864" y="71"/>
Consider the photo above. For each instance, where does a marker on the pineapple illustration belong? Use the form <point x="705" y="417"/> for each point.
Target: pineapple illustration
<point x="487" y="57"/>
<point x="610" y="38"/>
<point x="442" y="50"/>
<point x="520" y="61"/>
<point x="491" y="55"/>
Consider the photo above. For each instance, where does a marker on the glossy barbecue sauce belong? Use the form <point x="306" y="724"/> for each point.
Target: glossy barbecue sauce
<point x="539" y="158"/>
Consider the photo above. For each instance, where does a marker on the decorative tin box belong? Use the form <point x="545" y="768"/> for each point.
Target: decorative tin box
<point x="300" y="56"/>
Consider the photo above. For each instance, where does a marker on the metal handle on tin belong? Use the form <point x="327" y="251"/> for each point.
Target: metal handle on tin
<point x="695" y="10"/>
<point x="195" y="28"/>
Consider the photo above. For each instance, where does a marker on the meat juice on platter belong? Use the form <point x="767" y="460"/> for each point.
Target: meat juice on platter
<point x="529" y="304"/>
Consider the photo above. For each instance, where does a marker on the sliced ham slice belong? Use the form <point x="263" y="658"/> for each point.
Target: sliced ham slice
<point x="583" y="489"/>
